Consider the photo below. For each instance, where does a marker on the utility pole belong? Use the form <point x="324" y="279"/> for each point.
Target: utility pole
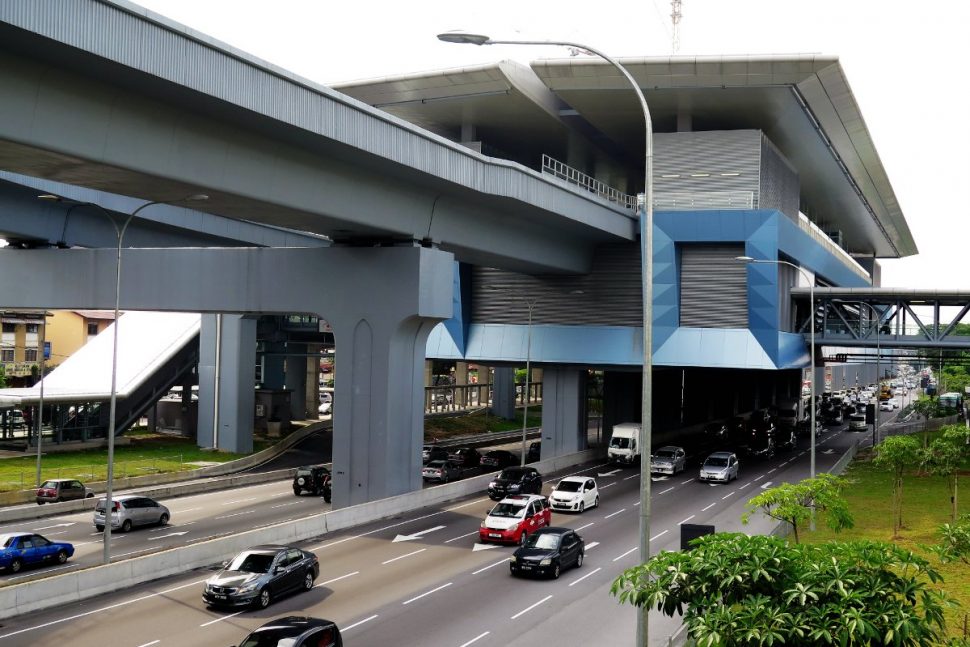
<point x="675" y="16"/>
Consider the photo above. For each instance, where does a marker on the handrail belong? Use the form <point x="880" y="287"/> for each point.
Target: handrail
<point x="565" y="172"/>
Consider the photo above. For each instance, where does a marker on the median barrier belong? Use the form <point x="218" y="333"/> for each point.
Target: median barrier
<point x="71" y="587"/>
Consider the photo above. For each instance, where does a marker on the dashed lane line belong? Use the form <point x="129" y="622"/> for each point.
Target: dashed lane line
<point x="475" y="639"/>
<point x="358" y="623"/>
<point x="481" y="570"/>
<point x="394" y="559"/>
<point x="578" y="580"/>
<point x="613" y="514"/>
<point x="530" y="608"/>
<point x="708" y="507"/>
<point x="685" y="520"/>
<point x="427" y="593"/>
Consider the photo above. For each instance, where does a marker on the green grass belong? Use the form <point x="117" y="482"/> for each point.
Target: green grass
<point x="442" y="428"/>
<point x="926" y="506"/>
<point x="147" y="454"/>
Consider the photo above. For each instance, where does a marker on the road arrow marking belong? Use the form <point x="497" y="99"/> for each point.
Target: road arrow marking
<point x="416" y="535"/>
<point x="610" y="473"/>
<point x="765" y="486"/>
<point x="829" y="451"/>
<point x="480" y="546"/>
<point x="171" y="534"/>
<point x="57" y="525"/>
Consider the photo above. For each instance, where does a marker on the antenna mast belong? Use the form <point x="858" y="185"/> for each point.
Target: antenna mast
<point x="675" y="16"/>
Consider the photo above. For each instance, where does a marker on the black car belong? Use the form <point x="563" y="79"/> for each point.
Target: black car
<point x="785" y="438"/>
<point x="498" y="459"/>
<point x="433" y="453"/>
<point x="257" y="576"/>
<point x="314" y="479"/>
<point x="515" y="480"/>
<point x="467" y="457"/>
<point x="716" y="433"/>
<point x="535" y="451"/>
<point x="805" y="424"/>
<point x="295" y="631"/>
<point x="547" y="552"/>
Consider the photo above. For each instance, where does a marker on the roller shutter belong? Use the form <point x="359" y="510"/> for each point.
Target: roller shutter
<point x="713" y="287"/>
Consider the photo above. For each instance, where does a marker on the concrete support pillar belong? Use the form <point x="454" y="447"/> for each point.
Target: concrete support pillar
<point x="312" y="388"/>
<point x="503" y="392"/>
<point x="295" y="379"/>
<point x="227" y="355"/>
<point x="461" y="379"/>
<point x="428" y="372"/>
<point x="274" y="365"/>
<point x="563" y="412"/>
<point x="381" y="323"/>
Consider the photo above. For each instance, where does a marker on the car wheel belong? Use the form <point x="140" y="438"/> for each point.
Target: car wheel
<point x="308" y="581"/>
<point x="16" y="565"/>
<point x="162" y="520"/>
<point x="582" y="506"/>
<point x="555" y="572"/>
<point x="265" y="597"/>
<point x="99" y="528"/>
<point x="90" y="495"/>
<point x="512" y="571"/>
<point x="523" y="537"/>
<point x="579" y="559"/>
<point x="327" y="497"/>
<point x="41" y="502"/>
<point x="126" y="525"/>
<point x="596" y="503"/>
<point x="61" y="556"/>
<point x="297" y="491"/>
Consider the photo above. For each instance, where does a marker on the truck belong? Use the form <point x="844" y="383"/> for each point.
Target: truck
<point x="625" y="443"/>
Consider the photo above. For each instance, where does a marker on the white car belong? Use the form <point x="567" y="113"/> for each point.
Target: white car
<point x="575" y="494"/>
<point x="325" y="408"/>
<point x="719" y="466"/>
<point x="668" y="460"/>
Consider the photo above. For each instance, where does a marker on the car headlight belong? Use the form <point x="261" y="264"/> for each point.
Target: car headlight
<point x="492" y="484"/>
<point x="249" y="588"/>
<point x="545" y="562"/>
<point x="512" y="559"/>
<point x="483" y="525"/>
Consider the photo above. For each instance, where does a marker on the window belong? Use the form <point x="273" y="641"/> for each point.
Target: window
<point x="33" y="328"/>
<point x="92" y="329"/>
<point x="9" y="328"/>
<point x="6" y="355"/>
<point x="30" y="355"/>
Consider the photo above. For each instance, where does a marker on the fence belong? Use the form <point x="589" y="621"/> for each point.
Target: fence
<point x="462" y="397"/>
<point x="25" y="478"/>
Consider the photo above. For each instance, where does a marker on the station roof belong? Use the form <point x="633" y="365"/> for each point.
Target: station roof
<point x="803" y="103"/>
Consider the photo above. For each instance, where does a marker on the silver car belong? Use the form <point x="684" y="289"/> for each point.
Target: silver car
<point x="130" y="510"/>
<point x="719" y="467"/>
<point x="668" y="460"/>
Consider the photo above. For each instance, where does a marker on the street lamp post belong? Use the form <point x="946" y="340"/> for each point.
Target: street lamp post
<point x="646" y="285"/>
<point x="40" y="403"/>
<point x="120" y="233"/>
<point x="811" y="319"/>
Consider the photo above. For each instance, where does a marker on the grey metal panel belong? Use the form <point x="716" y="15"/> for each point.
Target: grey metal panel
<point x="706" y="162"/>
<point x="608" y="295"/>
<point x="713" y="286"/>
<point x="779" y="181"/>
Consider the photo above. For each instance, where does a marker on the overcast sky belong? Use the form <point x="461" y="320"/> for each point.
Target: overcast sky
<point x="901" y="60"/>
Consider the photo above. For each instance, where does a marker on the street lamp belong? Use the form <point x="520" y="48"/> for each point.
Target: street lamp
<point x="40" y="402"/>
<point x="646" y="284"/>
<point x="120" y="233"/>
<point x="811" y="319"/>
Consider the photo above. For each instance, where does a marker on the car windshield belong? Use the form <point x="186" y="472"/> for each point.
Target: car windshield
<point x="251" y="562"/>
<point x="507" y="510"/>
<point x="273" y="637"/>
<point x="543" y="541"/>
<point x="436" y="464"/>
<point x="568" y="486"/>
<point x="511" y="474"/>
<point x="51" y="485"/>
<point x="665" y="454"/>
<point x="620" y="443"/>
<point x="715" y="461"/>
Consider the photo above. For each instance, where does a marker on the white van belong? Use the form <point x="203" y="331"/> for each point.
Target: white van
<point x="625" y="443"/>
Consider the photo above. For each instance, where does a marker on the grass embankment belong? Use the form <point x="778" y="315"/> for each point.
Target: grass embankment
<point x="147" y="454"/>
<point x="442" y="428"/>
<point x="926" y="506"/>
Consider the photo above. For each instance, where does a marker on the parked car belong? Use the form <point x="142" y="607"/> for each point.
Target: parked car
<point x="19" y="549"/>
<point x="295" y="631"/>
<point x="575" y="493"/>
<point x="55" y="490"/>
<point x="857" y="422"/>
<point x="433" y="453"/>
<point x="515" y="480"/>
<point x="130" y="510"/>
<point x="668" y="460"/>
<point x="535" y="451"/>
<point x="466" y="457"/>
<point x="719" y="466"/>
<point x="498" y="459"/>
<point x="315" y="479"/>
<point x="441" y="471"/>
<point x="257" y="576"/>
<point x="548" y="552"/>
<point x="325" y="408"/>
<point x="514" y="518"/>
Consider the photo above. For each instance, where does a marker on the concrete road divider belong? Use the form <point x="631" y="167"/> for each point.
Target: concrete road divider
<point x="67" y="588"/>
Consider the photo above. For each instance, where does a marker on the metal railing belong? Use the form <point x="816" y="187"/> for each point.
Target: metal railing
<point x="823" y="239"/>
<point x="691" y="200"/>
<point x="575" y="176"/>
<point x="462" y="397"/>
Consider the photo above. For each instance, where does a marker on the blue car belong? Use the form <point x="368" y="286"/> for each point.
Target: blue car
<point x="19" y="549"/>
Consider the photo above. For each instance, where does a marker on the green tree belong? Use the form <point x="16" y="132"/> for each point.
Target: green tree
<point x="3" y="377"/>
<point x="742" y="591"/>
<point x="945" y="456"/>
<point x="925" y="406"/>
<point x="794" y="503"/>
<point x="897" y="453"/>
<point x="956" y="541"/>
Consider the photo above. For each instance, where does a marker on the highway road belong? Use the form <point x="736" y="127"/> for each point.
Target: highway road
<point x="436" y="585"/>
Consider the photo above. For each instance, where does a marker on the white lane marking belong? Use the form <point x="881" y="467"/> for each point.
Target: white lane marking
<point x="477" y="546"/>
<point x="731" y="493"/>
<point x="416" y="535"/>
<point x="337" y="579"/>
<point x="766" y="485"/>
<point x="135" y="552"/>
<point x="395" y="525"/>
<point x="186" y="510"/>
<point x="530" y="608"/>
<point x="685" y="520"/>
<point x="490" y="566"/>
<point x="586" y="526"/>
<point x="56" y="525"/>
<point x="636" y="504"/>
<point x="171" y="534"/>
<point x="613" y="514"/>
<point x="221" y="618"/>
<point x="252" y="498"/>
<point x="592" y="544"/>
<point x="448" y="541"/>
<point x="657" y="536"/>
<point x="475" y="639"/>
<point x="283" y="505"/>
<point x="686" y="482"/>
<point x="616" y="559"/>
<point x="625" y="479"/>
<point x="418" y="597"/>
<point x="47" y="570"/>
<point x="154" y="642"/>
<point x="610" y="473"/>
<point x="773" y="469"/>
<point x="708" y="507"/>
<point x="665" y="491"/>
<point x="165" y="527"/>
<point x="744" y="486"/>
<point x="358" y="623"/>
<point x="273" y="496"/>
<point x="593" y="572"/>
<point x="758" y="478"/>
<point x="102" y="609"/>
<point x="603" y="487"/>
<point x="394" y="559"/>
<point x="235" y="514"/>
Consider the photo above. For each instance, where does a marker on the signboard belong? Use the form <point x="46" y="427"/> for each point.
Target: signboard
<point x="47" y="350"/>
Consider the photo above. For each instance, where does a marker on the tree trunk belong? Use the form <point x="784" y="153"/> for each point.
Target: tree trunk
<point x="953" y="495"/>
